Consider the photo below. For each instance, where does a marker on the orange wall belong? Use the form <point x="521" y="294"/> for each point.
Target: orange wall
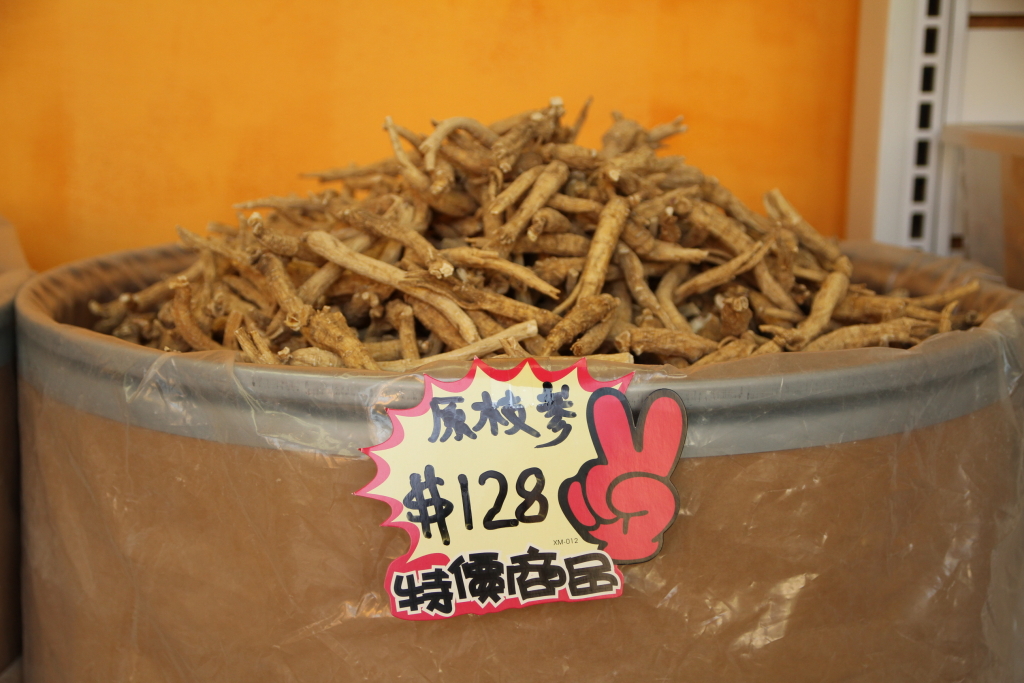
<point x="119" y="119"/>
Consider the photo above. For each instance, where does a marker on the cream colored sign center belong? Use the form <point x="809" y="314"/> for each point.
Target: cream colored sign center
<point x="543" y="441"/>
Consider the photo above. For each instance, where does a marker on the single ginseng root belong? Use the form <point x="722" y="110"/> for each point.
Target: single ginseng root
<point x="511" y="240"/>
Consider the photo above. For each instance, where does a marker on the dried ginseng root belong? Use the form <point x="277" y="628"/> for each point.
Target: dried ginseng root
<point x="588" y="312"/>
<point x="512" y="240"/>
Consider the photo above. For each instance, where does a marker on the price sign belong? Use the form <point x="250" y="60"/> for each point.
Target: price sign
<point x="524" y="486"/>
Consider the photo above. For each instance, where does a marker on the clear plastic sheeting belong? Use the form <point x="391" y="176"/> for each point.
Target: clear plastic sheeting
<point x="13" y="272"/>
<point x="845" y="516"/>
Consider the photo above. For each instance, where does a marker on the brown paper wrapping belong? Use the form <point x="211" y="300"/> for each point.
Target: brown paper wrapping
<point x="186" y="560"/>
<point x="13" y="272"/>
<point x="10" y="531"/>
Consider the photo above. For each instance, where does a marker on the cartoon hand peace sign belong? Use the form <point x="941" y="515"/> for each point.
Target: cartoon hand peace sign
<point x="624" y="500"/>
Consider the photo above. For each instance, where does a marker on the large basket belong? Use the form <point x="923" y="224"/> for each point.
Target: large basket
<point x="854" y="515"/>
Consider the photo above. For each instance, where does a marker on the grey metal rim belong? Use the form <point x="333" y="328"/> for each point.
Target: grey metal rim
<point x="755" y="405"/>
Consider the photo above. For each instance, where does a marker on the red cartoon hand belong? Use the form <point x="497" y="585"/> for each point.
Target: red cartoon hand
<point x="624" y="500"/>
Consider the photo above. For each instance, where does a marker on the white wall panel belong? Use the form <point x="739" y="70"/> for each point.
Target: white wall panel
<point x="993" y="90"/>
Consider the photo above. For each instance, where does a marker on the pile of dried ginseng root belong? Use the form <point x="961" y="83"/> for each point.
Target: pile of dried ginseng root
<point x="510" y="240"/>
